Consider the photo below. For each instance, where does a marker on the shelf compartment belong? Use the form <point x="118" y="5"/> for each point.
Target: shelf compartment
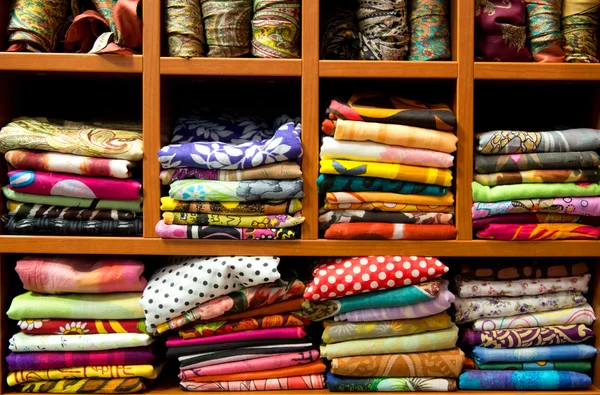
<point x="60" y="62"/>
<point x="387" y="69"/>
<point x="231" y="66"/>
<point x="536" y="71"/>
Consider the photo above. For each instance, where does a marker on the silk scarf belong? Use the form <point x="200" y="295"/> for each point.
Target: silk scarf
<point x="331" y="183"/>
<point x="296" y="332"/>
<point x="28" y="210"/>
<point x="579" y="26"/>
<point x="522" y="380"/>
<point x="383" y="231"/>
<point x="538" y="176"/>
<point x="244" y="221"/>
<point x="58" y="326"/>
<point x="385" y="384"/>
<point x="165" y="231"/>
<point x="237" y="208"/>
<point x="89" y="386"/>
<point x="227" y="27"/>
<point x="310" y="382"/>
<point x="539" y="232"/>
<point x="328" y="218"/>
<point x="383" y="29"/>
<point x="276" y="171"/>
<point x="467" y="288"/>
<point x="21" y="342"/>
<point x="389" y="207"/>
<point x="498" y="193"/>
<point x="36" y="27"/>
<point x="543" y="353"/>
<point x="388" y="197"/>
<point x="429" y="31"/>
<point x="235" y="191"/>
<point x="276" y="29"/>
<point x="65" y="227"/>
<point x="543" y="25"/>
<point x="535" y="219"/>
<point x="518" y="142"/>
<point x="184" y="28"/>
<point x="586" y="206"/>
<point x="542" y="160"/>
<point x="528" y="337"/>
<point x="339" y="39"/>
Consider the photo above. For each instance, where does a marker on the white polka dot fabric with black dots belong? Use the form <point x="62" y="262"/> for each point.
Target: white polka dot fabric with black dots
<point x="190" y="281"/>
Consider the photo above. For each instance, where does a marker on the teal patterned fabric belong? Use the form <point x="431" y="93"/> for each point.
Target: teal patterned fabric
<point x="429" y="31"/>
<point x="522" y="380"/>
<point x="333" y="183"/>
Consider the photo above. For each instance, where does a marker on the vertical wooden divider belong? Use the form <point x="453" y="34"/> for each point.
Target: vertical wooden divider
<point x="151" y="114"/>
<point x="465" y="33"/>
<point x="310" y="117"/>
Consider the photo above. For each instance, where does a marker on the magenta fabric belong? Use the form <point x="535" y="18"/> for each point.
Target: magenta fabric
<point x="71" y="185"/>
<point x="534" y="232"/>
<point x="253" y="365"/>
<point x="272" y="333"/>
<point x="533" y="218"/>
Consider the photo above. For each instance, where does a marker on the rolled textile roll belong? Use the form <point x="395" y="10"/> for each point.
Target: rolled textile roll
<point x="538" y="176"/>
<point x="227" y="27"/>
<point x="340" y="33"/>
<point x="389" y="384"/>
<point x="36" y="27"/>
<point x="543" y="25"/>
<point x="528" y="337"/>
<point x="329" y="218"/>
<point x="579" y="26"/>
<point x="539" y="232"/>
<point x="276" y="29"/>
<point x="542" y="160"/>
<point x="66" y="227"/>
<point x="330" y="183"/>
<point x="245" y="221"/>
<point x="522" y="380"/>
<point x="383" y="29"/>
<point x="184" y="27"/>
<point x="429" y="31"/>
<point x="384" y="231"/>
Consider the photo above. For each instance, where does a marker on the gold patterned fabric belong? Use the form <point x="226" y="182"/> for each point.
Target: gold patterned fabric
<point x="185" y="29"/>
<point x="36" y="26"/>
<point x="276" y="29"/>
<point x="227" y="27"/>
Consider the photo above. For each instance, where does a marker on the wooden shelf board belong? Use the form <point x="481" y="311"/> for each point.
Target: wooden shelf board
<point x="231" y="66"/>
<point x="536" y="71"/>
<point x="148" y="246"/>
<point x="62" y="62"/>
<point x="387" y="69"/>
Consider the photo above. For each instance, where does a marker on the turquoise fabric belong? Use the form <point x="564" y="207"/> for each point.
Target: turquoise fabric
<point x="333" y="183"/>
<point x="522" y="380"/>
<point x="544" y="353"/>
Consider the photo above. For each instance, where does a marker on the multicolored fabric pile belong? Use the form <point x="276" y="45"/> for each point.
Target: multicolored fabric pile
<point x="232" y="177"/>
<point x="537" y="185"/>
<point x="528" y="327"/>
<point x="386" y="325"/>
<point x="82" y="327"/>
<point x="385" y="169"/>
<point x="239" y="325"/>
<point x="72" y="178"/>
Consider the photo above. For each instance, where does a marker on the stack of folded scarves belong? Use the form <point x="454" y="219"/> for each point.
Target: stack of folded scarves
<point x="82" y="327"/>
<point x="527" y="327"/>
<point x="244" y="328"/>
<point x="232" y="178"/>
<point x="537" y="185"/>
<point x="387" y="327"/>
<point x="385" y="169"/>
<point x="72" y="178"/>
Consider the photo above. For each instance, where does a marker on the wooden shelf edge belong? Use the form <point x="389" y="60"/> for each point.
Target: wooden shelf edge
<point x="231" y="67"/>
<point x="154" y="246"/>
<point x="387" y="69"/>
<point x="61" y="62"/>
<point x="537" y="71"/>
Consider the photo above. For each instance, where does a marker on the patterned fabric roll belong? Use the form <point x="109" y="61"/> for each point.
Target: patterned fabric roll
<point x="65" y="227"/>
<point x="185" y="31"/>
<point x="529" y="337"/>
<point x="383" y="29"/>
<point x="227" y="27"/>
<point x="36" y="26"/>
<point x="340" y="33"/>
<point x="87" y="386"/>
<point x="276" y="29"/>
<point x="429" y="30"/>
<point x="579" y="30"/>
<point x="28" y="210"/>
<point x="543" y="25"/>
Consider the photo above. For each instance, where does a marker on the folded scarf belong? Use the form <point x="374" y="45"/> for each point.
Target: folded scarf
<point x="543" y="160"/>
<point x="112" y="306"/>
<point x="411" y="294"/>
<point x="471" y="309"/>
<point x="21" y="342"/>
<point x="189" y="280"/>
<point x="447" y="363"/>
<point x="227" y="27"/>
<point x="532" y="218"/>
<point x="36" y="27"/>
<point x="539" y="232"/>
<point x="332" y="276"/>
<point x="235" y="301"/>
<point x="231" y="359"/>
<point x="383" y="231"/>
<point x="579" y="25"/>
<point x="382" y="153"/>
<point x="405" y="136"/>
<point x="276" y="29"/>
<point x="538" y="176"/>
<point x="235" y="191"/>
<point x="339" y="39"/>
<point x="63" y="201"/>
<point x="427" y="175"/>
<point x="69" y="137"/>
<point x="429" y="30"/>
<point x="328" y="218"/>
<point x="588" y="206"/>
<point x="427" y="341"/>
<point x="80" y="372"/>
<point x="570" y="366"/>
<point x="190" y="361"/>
<point x="528" y="337"/>
<point x="522" y="380"/>
<point x="336" y="332"/>
<point x="389" y="207"/>
<point x="284" y="146"/>
<point x="65" y="227"/>
<point x="250" y="221"/>
<point x="483" y="193"/>
<point x="210" y="329"/>
<point x="190" y="352"/>
<point x="80" y="327"/>
<point x="184" y="28"/>
<point x="285" y="306"/>
<point x="275" y="171"/>
<point x="57" y="360"/>
<point x="55" y="274"/>
<point x="256" y="334"/>
<point x="517" y="142"/>
<point x="89" y="386"/>
<point x="543" y="353"/>
<point x="440" y="303"/>
<point x="467" y="288"/>
<point x="524" y="268"/>
<point x="239" y="208"/>
<point x="573" y="315"/>
<point x="389" y="197"/>
<point x="224" y="232"/>
<point x="383" y="31"/>
<point x="331" y="183"/>
<point x="382" y="108"/>
<point x="252" y="365"/>
<point x="385" y="384"/>
<point x="290" y="371"/>
<point x="86" y="187"/>
<point x="67" y="163"/>
<point x="28" y="210"/>
<point x="310" y="382"/>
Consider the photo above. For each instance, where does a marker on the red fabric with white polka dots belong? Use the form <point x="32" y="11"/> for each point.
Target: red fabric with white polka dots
<point x="334" y="278"/>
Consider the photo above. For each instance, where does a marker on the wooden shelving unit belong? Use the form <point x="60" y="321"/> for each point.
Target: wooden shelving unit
<point x="156" y="72"/>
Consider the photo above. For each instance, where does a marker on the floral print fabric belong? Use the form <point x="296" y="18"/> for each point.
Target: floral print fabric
<point x="384" y="384"/>
<point x="587" y="206"/>
<point x="528" y="337"/>
<point x="80" y="327"/>
<point x="21" y="342"/>
<point x="543" y="353"/>
<point x="36" y="27"/>
<point x="429" y="30"/>
<point x="538" y="176"/>
<point x="236" y="208"/>
<point x="246" y="221"/>
<point x="235" y="191"/>
<point x="276" y="29"/>
<point x="467" y="288"/>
